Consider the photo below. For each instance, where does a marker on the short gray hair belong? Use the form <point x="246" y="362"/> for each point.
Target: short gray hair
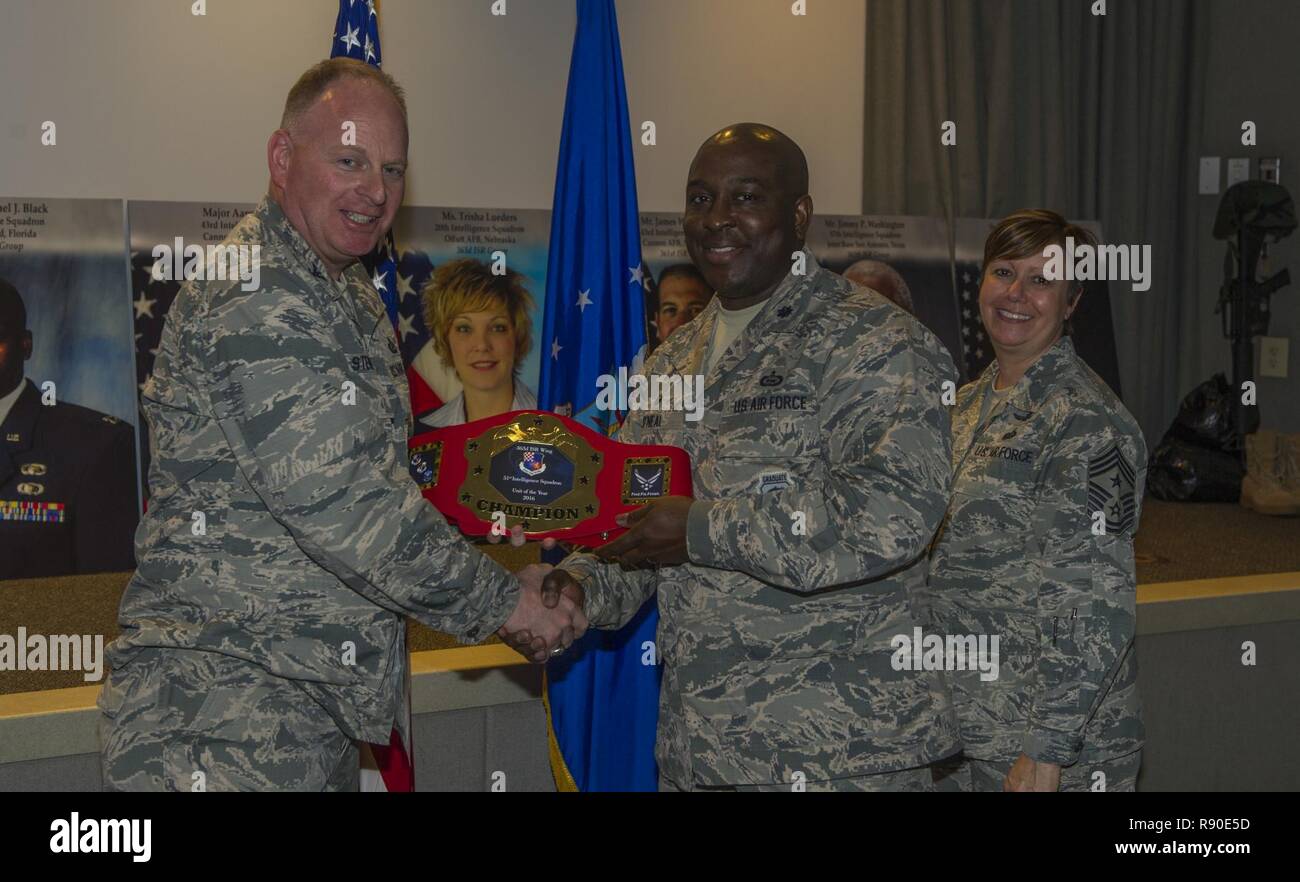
<point x="319" y="77"/>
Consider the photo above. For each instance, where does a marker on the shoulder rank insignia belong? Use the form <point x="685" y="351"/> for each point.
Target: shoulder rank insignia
<point x="1111" y="482"/>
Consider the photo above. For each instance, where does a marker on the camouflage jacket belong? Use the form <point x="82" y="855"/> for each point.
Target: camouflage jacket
<point x="775" y="640"/>
<point x="280" y="414"/>
<point x="1019" y="555"/>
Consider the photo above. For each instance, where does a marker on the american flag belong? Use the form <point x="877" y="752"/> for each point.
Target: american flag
<point x="977" y="351"/>
<point x="152" y="298"/>
<point x="399" y="276"/>
<point x="356" y="32"/>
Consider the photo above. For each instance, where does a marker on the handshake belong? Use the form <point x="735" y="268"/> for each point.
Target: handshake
<point x="549" y="615"/>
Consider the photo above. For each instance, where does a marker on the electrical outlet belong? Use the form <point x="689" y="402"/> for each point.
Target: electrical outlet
<point x="1209" y="175"/>
<point x="1272" y="356"/>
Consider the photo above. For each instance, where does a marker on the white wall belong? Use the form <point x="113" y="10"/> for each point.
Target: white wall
<point x="152" y="102"/>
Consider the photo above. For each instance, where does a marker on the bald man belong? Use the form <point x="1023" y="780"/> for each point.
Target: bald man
<point x="820" y="471"/>
<point x="883" y="279"/>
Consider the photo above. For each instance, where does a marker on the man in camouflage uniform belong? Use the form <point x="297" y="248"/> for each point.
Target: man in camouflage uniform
<point x="820" y="473"/>
<point x="263" y="634"/>
<point x="1037" y="548"/>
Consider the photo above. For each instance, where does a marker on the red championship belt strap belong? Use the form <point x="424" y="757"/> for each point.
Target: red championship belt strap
<point x="544" y="471"/>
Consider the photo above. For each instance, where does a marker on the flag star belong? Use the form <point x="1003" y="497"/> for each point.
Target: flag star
<point x="979" y="335"/>
<point x="555" y="349"/>
<point x="405" y="325"/>
<point x="965" y="277"/>
<point x="638" y="276"/>
<point x="144" y="307"/>
<point x="404" y="288"/>
<point x="965" y="313"/>
<point x="370" y="50"/>
<point x="350" y="38"/>
<point x="371" y="4"/>
<point x="965" y="295"/>
<point x="378" y="281"/>
<point x="979" y="353"/>
<point x="583" y="300"/>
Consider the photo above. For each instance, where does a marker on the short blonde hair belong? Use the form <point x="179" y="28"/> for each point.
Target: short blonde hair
<point x="467" y="285"/>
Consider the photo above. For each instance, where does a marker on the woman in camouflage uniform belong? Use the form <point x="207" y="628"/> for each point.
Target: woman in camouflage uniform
<point x="1034" y="561"/>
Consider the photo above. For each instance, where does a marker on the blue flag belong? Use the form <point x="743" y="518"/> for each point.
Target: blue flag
<point x="356" y="35"/>
<point x="603" y="699"/>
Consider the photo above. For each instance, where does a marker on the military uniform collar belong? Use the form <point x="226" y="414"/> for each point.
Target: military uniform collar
<point x="20" y="424"/>
<point x="273" y="218"/>
<point x="1040" y="378"/>
<point x="10" y="398"/>
<point x="778" y="316"/>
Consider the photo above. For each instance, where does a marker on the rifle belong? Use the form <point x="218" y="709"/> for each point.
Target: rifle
<point x="1250" y="215"/>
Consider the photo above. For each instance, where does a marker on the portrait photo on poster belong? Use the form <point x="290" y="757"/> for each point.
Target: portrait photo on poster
<point x="68" y="493"/>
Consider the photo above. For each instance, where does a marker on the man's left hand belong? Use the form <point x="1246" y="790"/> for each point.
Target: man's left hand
<point x="1028" y="776"/>
<point x="656" y="535"/>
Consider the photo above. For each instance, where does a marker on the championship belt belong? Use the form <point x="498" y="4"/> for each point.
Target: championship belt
<point x="551" y="475"/>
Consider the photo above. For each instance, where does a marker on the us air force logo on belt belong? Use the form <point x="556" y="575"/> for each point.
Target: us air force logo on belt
<point x="645" y="478"/>
<point x="1111" y="482"/>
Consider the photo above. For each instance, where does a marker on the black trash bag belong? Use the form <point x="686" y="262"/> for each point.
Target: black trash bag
<point x="1205" y="418"/>
<point x="1199" y="459"/>
<point x="1183" y="472"/>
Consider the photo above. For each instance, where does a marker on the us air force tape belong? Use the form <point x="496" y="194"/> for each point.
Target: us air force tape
<point x="553" y="476"/>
